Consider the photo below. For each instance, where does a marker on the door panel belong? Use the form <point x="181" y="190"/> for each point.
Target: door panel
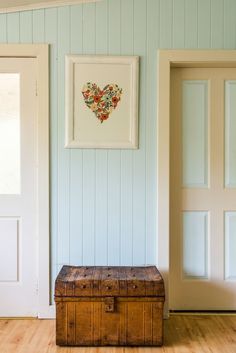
<point x="202" y="192"/>
<point x="9" y="249"/>
<point x="195" y="245"/>
<point x="230" y="133"/>
<point x="10" y="133"/>
<point x="230" y="245"/>
<point x="18" y="257"/>
<point x="195" y="141"/>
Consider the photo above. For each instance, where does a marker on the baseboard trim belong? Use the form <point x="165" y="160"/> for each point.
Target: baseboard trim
<point x="48" y="312"/>
<point x="203" y="313"/>
<point x="18" y="318"/>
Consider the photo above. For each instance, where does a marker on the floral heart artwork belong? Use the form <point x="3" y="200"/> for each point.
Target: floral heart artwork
<point x="101" y="102"/>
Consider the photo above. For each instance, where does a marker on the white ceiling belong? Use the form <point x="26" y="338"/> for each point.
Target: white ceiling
<point x="22" y="5"/>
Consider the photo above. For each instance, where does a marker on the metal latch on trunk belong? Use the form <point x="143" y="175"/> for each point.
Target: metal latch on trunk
<point x="109" y="304"/>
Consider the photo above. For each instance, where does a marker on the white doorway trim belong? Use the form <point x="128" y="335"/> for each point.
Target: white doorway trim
<point x="166" y="60"/>
<point x="40" y="53"/>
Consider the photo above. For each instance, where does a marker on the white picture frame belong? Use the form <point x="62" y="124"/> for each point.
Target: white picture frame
<point x="102" y="101"/>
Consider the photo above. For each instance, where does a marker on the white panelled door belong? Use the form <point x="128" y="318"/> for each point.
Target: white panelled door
<point x="203" y="189"/>
<point x="18" y="243"/>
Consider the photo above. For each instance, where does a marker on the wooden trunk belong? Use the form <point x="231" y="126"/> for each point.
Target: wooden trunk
<point x="109" y="306"/>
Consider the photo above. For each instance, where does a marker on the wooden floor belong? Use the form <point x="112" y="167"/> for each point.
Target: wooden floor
<point x="195" y="334"/>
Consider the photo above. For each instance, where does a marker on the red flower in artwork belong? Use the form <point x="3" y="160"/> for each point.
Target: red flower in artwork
<point x="115" y="100"/>
<point x="104" y="117"/>
<point x="97" y="99"/>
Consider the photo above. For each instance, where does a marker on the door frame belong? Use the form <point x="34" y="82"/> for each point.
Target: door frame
<point x="41" y="53"/>
<point x="166" y="60"/>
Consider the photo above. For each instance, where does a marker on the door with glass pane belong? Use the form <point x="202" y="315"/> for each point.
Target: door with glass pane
<point x="203" y="189"/>
<point x="18" y="258"/>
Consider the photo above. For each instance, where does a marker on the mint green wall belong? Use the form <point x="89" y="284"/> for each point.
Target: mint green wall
<point x="103" y="202"/>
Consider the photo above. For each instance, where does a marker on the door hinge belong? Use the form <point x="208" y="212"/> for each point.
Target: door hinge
<point x="36" y="88"/>
<point x="37" y="287"/>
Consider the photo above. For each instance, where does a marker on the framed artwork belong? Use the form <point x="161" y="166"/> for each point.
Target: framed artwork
<point x="102" y="101"/>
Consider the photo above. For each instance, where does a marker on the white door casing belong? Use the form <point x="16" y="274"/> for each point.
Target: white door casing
<point x="38" y="53"/>
<point x="166" y="60"/>
<point x="202" y="189"/>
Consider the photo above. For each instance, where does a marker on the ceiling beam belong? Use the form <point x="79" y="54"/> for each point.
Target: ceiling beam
<point x="41" y="4"/>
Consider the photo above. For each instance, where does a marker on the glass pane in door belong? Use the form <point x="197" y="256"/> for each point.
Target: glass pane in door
<point x="9" y="133"/>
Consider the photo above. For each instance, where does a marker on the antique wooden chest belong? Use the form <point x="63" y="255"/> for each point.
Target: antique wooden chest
<point x="109" y="306"/>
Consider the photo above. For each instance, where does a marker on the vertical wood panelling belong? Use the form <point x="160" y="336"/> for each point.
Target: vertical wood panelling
<point x="166" y="21"/>
<point x="127" y="27"/>
<point x="63" y="154"/>
<point x="139" y="164"/>
<point x="204" y="24"/>
<point x="127" y="41"/>
<point x="101" y="205"/>
<point x="102" y="27"/>
<point x="89" y="29"/>
<point x="3" y="28"/>
<point x="101" y="218"/>
<point x="114" y="157"/>
<point x="126" y="227"/>
<point x="89" y="156"/>
<point x="51" y="38"/>
<point x="76" y="155"/>
<point x="153" y="26"/>
<point x="38" y="26"/>
<point x="103" y="202"/>
<point x="191" y="23"/>
<point x="114" y="27"/>
<point x="88" y="207"/>
<point x="13" y="27"/>
<point x="229" y="24"/>
<point x="113" y="246"/>
<point x="26" y="27"/>
<point x="178" y="23"/>
<point x="217" y="24"/>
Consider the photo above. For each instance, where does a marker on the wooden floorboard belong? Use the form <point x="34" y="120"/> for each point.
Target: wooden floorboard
<point x="183" y="334"/>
